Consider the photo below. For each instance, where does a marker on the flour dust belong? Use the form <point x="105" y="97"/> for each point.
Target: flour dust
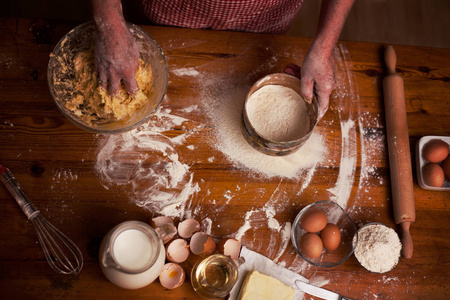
<point x="149" y="163"/>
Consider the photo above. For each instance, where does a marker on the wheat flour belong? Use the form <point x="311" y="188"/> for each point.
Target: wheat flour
<point x="378" y="248"/>
<point x="278" y="113"/>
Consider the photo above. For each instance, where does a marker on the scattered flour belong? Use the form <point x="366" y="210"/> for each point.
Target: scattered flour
<point x="341" y="192"/>
<point x="185" y="72"/>
<point x="147" y="160"/>
<point x="206" y="225"/>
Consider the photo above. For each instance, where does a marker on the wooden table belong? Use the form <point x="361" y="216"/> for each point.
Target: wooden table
<point x="55" y="162"/>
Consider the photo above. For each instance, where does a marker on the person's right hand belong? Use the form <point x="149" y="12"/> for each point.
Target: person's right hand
<point x="116" y="58"/>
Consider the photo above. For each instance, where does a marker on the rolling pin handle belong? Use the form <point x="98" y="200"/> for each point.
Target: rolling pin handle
<point x="390" y="57"/>
<point x="407" y="243"/>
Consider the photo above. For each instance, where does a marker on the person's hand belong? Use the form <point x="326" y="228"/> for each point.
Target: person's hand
<point x="318" y="76"/>
<point x="116" y="58"/>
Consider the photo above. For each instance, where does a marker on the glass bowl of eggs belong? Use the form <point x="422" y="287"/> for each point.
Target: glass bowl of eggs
<point x="323" y="234"/>
<point x="79" y="95"/>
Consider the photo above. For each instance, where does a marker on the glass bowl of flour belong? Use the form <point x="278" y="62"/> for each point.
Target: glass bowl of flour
<point x="276" y="119"/>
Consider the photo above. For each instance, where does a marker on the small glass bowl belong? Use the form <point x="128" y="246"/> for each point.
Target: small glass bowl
<point x="267" y="146"/>
<point x="336" y="215"/>
<point x="60" y="71"/>
<point x="359" y="258"/>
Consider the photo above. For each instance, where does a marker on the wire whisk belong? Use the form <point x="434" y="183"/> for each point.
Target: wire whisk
<point x="61" y="253"/>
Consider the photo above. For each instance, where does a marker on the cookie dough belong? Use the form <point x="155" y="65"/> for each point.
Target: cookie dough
<point x="93" y="104"/>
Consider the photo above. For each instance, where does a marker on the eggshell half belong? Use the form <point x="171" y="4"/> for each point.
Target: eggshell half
<point x="188" y="227"/>
<point x="177" y="251"/>
<point x="160" y="221"/>
<point x="201" y="243"/>
<point x="229" y="247"/>
<point x="172" y="276"/>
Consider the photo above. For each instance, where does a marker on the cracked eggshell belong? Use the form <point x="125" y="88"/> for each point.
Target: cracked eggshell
<point x="160" y="221"/>
<point x="201" y="244"/>
<point x="177" y="251"/>
<point x="229" y="247"/>
<point x="172" y="276"/>
<point x="188" y="227"/>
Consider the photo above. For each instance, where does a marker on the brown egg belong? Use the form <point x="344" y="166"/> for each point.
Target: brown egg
<point x="433" y="175"/>
<point x="445" y="165"/>
<point x="188" y="227"/>
<point x="435" y="151"/>
<point x="313" y="220"/>
<point x="331" y="237"/>
<point x="311" y="245"/>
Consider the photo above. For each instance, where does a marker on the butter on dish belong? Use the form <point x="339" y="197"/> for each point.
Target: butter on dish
<point x="258" y="286"/>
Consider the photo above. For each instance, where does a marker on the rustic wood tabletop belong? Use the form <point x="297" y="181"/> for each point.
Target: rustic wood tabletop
<point x="192" y="153"/>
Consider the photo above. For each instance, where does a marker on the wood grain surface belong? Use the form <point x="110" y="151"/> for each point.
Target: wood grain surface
<point x="55" y="162"/>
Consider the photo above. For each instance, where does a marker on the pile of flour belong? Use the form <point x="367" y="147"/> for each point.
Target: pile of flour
<point x="378" y="248"/>
<point x="225" y="110"/>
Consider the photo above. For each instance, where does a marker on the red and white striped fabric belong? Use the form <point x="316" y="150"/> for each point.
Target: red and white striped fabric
<point x="264" y="16"/>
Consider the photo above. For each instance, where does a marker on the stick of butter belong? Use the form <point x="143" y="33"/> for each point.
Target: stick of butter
<point x="259" y="286"/>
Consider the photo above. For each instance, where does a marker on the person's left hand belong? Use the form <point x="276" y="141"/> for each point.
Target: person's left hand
<point x="317" y="76"/>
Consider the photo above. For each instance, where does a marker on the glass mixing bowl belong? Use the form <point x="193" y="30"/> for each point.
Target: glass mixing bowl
<point x="336" y="215"/>
<point x="60" y="72"/>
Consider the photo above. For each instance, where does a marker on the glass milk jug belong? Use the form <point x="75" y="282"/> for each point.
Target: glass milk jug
<point x="132" y="254"/>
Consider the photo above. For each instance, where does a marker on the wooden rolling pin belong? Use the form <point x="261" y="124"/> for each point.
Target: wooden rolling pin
<point x="399" y="151"/>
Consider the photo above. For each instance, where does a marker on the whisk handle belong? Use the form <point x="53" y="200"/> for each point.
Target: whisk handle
<point x="10" y="182"/>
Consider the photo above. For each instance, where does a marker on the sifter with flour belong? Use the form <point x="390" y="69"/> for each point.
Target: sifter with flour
<point x="276" y="119"/>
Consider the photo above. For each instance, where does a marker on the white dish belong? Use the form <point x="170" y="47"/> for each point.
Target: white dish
<point x="420" y="162"/>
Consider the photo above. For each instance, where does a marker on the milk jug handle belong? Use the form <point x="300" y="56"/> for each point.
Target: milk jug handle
<point x="108" y="261"/>
<point x="166" y="232"/>
<point x="239" y="261"/>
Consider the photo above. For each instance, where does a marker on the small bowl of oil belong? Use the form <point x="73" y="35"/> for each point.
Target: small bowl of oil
<point x="215" y="276"/>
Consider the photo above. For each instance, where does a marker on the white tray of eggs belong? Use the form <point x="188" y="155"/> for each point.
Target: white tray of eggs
<point x="433" y="162"/>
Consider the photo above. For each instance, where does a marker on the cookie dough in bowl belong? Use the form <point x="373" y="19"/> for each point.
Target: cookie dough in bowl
<point x="76" y="91"/>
